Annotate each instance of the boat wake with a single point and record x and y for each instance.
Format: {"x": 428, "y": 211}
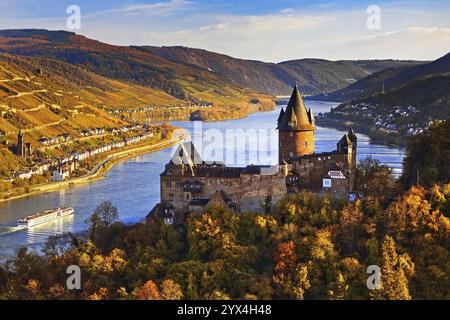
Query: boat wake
{"x": 9, "y": 229}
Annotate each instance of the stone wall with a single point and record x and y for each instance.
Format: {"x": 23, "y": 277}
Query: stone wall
{"x": 247, "y": 191}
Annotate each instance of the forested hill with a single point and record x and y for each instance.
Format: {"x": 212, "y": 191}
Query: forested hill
{"x": 313, "y": 75}
{"x": 412, "y": 100}
{"x": 388, "y": 79}
{"x": 163, "y": 67}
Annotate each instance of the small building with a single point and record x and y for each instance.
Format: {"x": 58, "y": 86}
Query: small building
{"x": 60, "y": 174}
{"x": 218, "y": 198}
{"x": 164, "y": 211}
{"x": 335, "y": 183}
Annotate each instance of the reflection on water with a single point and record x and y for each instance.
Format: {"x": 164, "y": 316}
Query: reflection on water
{"x": 40, "y": 233}
{"x": 133, "y": 185}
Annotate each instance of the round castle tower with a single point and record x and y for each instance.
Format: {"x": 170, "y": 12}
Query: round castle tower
{"x": 296, "y": 128}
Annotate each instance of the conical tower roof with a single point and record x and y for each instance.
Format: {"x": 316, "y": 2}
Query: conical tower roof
{"x": 280, "y": 117}
{"x": 296, "y": 110}
{"x": 345, "y": 141}
{"x": 351, "y": 134}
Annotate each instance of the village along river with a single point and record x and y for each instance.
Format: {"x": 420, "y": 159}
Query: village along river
{"x": 133, "y": 185}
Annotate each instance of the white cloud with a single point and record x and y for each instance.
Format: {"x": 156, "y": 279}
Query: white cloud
{"x": 287, "y": 10}
{"x": 156, "y": 8}
{"x": 332, "y": 35}
{"x": 162, "y": 8}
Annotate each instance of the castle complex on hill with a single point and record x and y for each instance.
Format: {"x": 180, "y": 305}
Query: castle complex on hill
{"x": 189, "y": 184}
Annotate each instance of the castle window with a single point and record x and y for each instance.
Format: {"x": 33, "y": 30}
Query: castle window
{"x": 180, "y": 197}
{"x": 187, "y": 196}
{"x": 171, "y": 196}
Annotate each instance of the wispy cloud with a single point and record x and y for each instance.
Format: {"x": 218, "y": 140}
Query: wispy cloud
{"x": 164, "y": 7}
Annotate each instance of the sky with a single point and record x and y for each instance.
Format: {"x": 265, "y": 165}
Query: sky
{"x": 271, "y": 31}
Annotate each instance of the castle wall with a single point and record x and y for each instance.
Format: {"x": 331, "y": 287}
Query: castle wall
{"x": 247, "y": 191}
{"x": 313, "y": 168}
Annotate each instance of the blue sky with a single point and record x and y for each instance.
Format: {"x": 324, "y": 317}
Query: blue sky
{"x": 262, "y": 30}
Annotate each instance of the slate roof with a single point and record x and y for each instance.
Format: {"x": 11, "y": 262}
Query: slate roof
{"x": 296, "y": 117}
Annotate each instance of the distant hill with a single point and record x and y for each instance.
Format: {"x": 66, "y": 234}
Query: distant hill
{"x": 48, "y": 97}
{"x": 182, "y": 82}
{"x": 313, "y": 75}
{"x": 389, "y": 79}
{"x": 118, "y": 62}
{"x": 399, "y": 113}
{"x": 182, "y": 71}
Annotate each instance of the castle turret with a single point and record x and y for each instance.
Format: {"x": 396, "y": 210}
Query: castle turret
{"x": 296, "y": 129}
{"x": 353, "y": 138}
{"x": 280, "y": 117}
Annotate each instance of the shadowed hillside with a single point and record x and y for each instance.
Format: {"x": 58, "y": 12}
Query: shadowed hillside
{"x": 313, "y": 75}
{"x": 395, "y": 115}
{"x": 389, "y": 79}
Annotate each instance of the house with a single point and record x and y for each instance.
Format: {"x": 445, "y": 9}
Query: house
{"x": 335, "y": 183}
{"x": 60, "y": 174}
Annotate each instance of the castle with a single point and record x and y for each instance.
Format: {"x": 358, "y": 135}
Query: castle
{"x": 189, "y": 184}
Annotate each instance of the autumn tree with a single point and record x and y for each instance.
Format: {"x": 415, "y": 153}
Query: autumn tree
{"x": 427, "y": 157}
{"x": 285, "y": 258}
{"x": 394, "y": 283}
{"x": 103, "y": 223}
{"x": 301, "y": 282}
{"x": 148, "y": 291}
{"x": 338, "y": 289}
{"x": 170, "y": 290}
{"x": 376, "y": 180}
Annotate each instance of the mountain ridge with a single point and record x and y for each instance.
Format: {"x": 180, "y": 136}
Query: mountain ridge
{"x": 278, "y": 78}
{"x": 388, "y": 79}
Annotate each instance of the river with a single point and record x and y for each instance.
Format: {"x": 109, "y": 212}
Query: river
{"x": 133, "y": 185}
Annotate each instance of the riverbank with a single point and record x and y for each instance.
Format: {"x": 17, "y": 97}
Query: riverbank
{"x": 206, "y": 114}
{"x": 377, "y": 135}
{"x": 101, "y": 168}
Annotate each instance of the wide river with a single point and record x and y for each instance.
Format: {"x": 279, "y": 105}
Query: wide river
{"x": 133, "y": 185}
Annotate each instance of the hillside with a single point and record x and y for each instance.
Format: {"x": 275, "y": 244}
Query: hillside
{"x": 47, "y": 98}
{"x": 37, "y": 92}
{"x": 181, "y": 81}
{"x": 313, "y": 75}
{"x": 390, "y": 79}
{"x": 397, "y": 114}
